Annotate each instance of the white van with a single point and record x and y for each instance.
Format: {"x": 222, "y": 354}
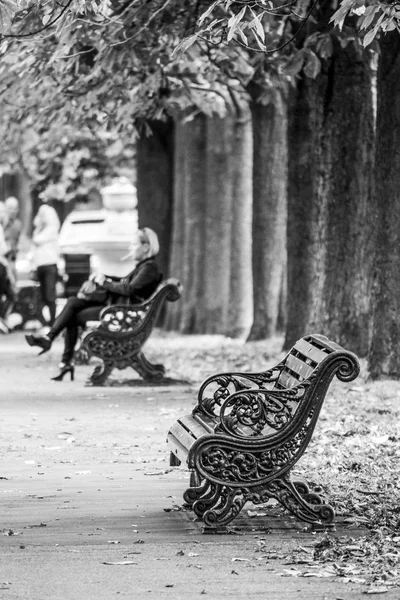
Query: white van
{"x": 96, "y": 241}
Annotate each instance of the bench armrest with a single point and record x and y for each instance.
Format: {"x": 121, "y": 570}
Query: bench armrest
{"x": 128, "y": 318}
{"x": 217, "y": 388}
{"x": 260, "y": 413}
{"x": 263, "y": 413}
{"x": 121, "y": 318}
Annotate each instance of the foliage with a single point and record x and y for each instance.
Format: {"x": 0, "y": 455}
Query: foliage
{"x": 374, "y": 18}
{"x": 77, "y": 162}
{"x": 108, "y": 70}
{"x": 111, "y": 67}
{"x": 105, "y": 70}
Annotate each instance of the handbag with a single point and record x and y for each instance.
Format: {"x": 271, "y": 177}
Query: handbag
{"x": 92, "y": 292}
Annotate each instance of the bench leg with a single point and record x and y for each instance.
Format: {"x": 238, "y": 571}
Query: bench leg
{"x": 174, "y": 460}
{"x": 146, "y": 369}
{"x": 216, "y": 504}
{"x": 201, "y": 497}
{"x": 101, "y": 373}
{"x": 297, "y": 498}
{"x": 227, "y": 506}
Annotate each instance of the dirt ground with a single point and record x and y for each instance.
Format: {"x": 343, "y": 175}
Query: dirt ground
{"x": 91, "y": 509}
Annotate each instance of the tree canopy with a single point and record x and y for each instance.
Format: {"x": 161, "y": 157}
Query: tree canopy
{"x": 116, "y": 65}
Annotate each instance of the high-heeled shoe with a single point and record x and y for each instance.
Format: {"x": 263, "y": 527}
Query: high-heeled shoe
{"x": 64, "y": 369}
{"x": 39, "y": 340}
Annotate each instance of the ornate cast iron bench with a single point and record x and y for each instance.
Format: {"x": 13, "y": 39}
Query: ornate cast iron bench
{"x": 122, "y": 331}
{"x": 247, "y": 431}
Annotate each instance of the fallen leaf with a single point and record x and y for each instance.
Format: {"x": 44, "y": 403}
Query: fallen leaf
{"x": 120, "y": 562}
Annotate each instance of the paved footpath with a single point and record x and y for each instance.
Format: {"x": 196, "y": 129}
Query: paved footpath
{"x": 90, "y": 508}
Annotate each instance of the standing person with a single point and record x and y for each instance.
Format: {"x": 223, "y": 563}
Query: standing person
{"x": 7, "y": 281}
{"x": 13, "y": 230}
{"x": 136, "y": 287}
{"x": 45, "y": 255}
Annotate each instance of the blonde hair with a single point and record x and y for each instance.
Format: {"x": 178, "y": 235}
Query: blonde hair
{"x": 151, "y": 237}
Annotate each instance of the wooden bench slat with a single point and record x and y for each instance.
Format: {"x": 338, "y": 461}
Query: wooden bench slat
{"x": 286, "y": 380}
{"x": 185, "y": 438}
{"x": 299, "y": 366}
{"x": 310, "y": 351}
{"x": 177, "y": 448}
{"x": 198, "y": 424}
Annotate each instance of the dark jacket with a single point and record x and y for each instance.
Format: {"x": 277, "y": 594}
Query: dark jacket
{"x": 137, "y": 286}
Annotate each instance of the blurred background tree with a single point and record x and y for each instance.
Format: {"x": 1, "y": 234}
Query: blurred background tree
{"x": 265, "y": 121}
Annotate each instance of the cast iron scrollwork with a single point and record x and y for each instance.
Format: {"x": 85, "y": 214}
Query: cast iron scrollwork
{"x": 247, "y": 414}
{"x": 299, "y": 500}
{"x": 122, "y": 319}
{"x": 244, "y": 465}
{"x": 217, "y": 388}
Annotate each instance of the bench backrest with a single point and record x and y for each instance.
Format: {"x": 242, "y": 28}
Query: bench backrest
{"x": 302, "y": 360}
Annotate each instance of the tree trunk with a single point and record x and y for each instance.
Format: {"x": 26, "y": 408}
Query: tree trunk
{"x": 304, "y": 155}
{"x": 211, "y": 249}
{"x": 213, "y": 310}
{"x": 269, "y": 213}
{"x": 240, "y": 313}
{"x": 154, "y": 185}
{"x": 384, "y": 357}
{"x": 341, "y": 308}
{"x": 176, "y": 264}
{"x": 330, "y": 215}
{"x": 187, "y": 259}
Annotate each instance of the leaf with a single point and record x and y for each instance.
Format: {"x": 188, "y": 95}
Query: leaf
{"x": 369, "y": 16}
{"x": 22, "y": 14}
{"x": 209, "y": 10}
{"x": 390, "y": 25}
{"x": 369, "y": 37}
{"x": 257, "y": 26}
{"x": 339, "y": 16}
{"x": 185, "y": 44}
{"x": 236, "y": 559}
{"x": 120, "y": 562}
{"x": 325, "y": 47}
{"x": 313, "y": 65}
{"x": 7, "y": 12}
{"x": 242, "y": 35}
{"x": 233, "y": 23}
{"x": 295, "y": 65}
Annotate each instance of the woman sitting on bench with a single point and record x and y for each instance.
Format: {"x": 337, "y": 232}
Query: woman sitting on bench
{"x": 135, "y": 287}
